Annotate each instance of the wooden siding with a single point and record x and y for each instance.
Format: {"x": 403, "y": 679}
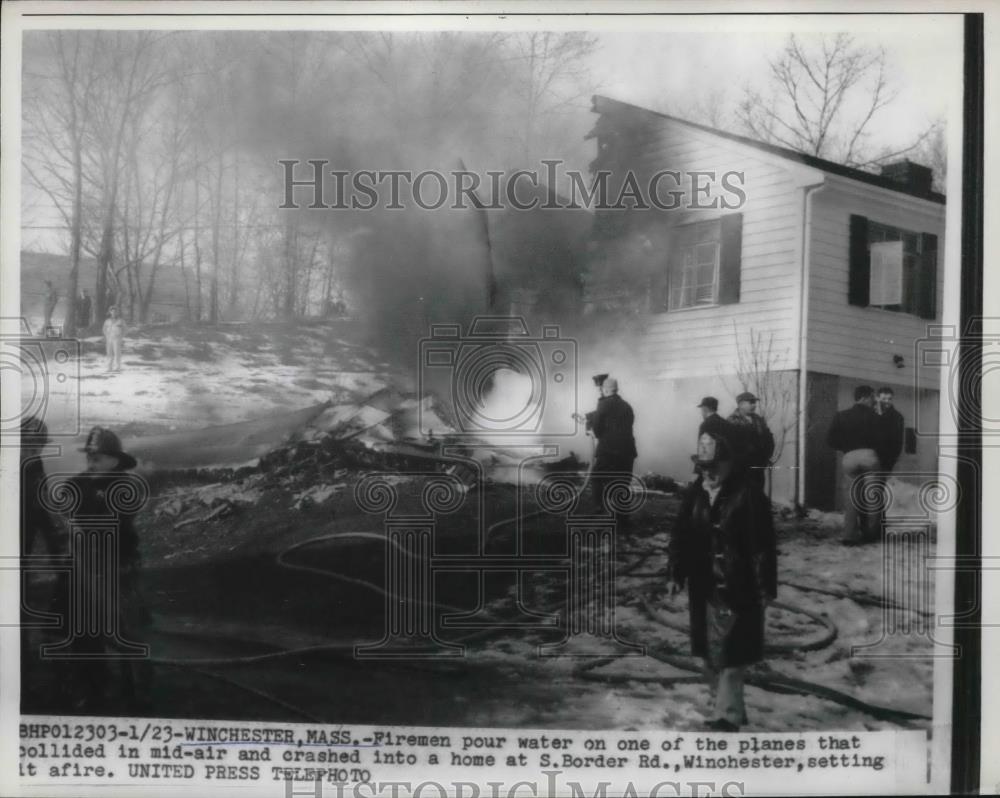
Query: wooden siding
{"x": 854, "y": 342}
{"x": 701, "y": 341}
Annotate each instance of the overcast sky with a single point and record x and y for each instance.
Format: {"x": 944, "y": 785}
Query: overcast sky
{"x": 663, "y": 70}
{"x": 677, "y": 60}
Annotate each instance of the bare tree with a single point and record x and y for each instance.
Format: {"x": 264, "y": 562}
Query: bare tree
{"x": 932, "y": 151}
{"x": 551, "y": 74}
{"x": 713, "y": 107}
{"x": 133, "y": 71}
{"x": 823, "y": 98}
{"x": 762, "y": 369}
{"x": 169, "y": 225}
{"x": 57, "y": 108}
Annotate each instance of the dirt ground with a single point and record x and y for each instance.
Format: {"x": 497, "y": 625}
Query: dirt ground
{"x": 217, "y": 591}
{"x": 242, "y": 631}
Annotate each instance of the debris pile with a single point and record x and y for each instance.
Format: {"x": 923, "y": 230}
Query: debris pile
{"x": 310, "y": 465}
{"x": 203, "y": 503}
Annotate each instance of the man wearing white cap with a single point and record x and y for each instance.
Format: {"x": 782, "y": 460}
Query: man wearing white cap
{"x": 114, "y": 337}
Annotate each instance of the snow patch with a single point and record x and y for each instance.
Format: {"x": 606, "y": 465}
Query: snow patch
{"x": 317, "y": 494}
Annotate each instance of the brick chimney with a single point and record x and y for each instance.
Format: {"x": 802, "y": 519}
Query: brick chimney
{"x": 909, "y": 175}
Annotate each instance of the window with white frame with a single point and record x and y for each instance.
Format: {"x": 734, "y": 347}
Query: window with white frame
{"x": 694, "y": 276}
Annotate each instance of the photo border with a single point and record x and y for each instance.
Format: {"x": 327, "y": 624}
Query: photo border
{"x": 968, "y": 766}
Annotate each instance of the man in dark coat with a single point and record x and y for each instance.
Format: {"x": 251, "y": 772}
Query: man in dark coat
{"x": 711, "y": 421}
{"x": 36, "y": 526}
{"x": 753, "y": 436}
{"x": 723, "y": 548}
{"x": 892, "y": 426}
{"x": 101, "y": 497}
{"x": 83, "y": 322}
{"x": 856, "y": 433}
{"x": 611, "y": 424}
{"x": 890, "y": 444}
{"x": 36, "y": 523}
{"x": 588, "y": 419}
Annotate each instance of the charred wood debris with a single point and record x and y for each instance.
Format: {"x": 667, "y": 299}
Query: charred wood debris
{"x": 380, "y": 434}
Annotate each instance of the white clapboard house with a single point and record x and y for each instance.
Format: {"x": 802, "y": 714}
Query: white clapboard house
{"x": 837, "y": 268}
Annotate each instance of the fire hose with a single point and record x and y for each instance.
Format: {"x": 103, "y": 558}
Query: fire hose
{"x": 769, "y": 680}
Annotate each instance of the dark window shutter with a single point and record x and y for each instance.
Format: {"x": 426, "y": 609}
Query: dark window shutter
{"x": 730, "y": 255}
{"x": 859, "y": 268}
{"x": 926, "y": 277}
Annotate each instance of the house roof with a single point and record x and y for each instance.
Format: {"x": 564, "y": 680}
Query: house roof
{"x": 604, "y": 105}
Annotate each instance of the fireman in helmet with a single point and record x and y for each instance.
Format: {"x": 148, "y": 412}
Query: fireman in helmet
{"x": 107, "y": 464}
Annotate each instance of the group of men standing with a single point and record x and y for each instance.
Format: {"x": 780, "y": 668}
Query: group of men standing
{"x": 870, "y": 434}
{"x": 722, "y": 547}
{"x": 746, "y": 431}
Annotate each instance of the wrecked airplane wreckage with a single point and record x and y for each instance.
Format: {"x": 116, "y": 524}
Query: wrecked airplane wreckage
{"x": 320, "y": 450}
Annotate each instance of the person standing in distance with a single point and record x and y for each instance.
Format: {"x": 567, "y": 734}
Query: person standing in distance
{"x": 612, "y": 425}
{"x": 114, "y": 338}
{"x": 855, "y": 432}
{"x": 711, "y": 421}
{"x": 755, "y": 435}
{"x": 890, "y": 445}
{"x": 83, "y": 322}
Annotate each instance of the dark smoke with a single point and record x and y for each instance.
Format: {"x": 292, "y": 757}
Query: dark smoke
{"x": 421, "y": 102}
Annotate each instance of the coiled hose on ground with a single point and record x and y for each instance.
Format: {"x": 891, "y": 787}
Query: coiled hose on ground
{"x": 767, "y": 680}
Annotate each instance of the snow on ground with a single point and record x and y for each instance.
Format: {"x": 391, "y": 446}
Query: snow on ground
{"x": 882, "y": 656}
{"x": 184, "y": 378}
